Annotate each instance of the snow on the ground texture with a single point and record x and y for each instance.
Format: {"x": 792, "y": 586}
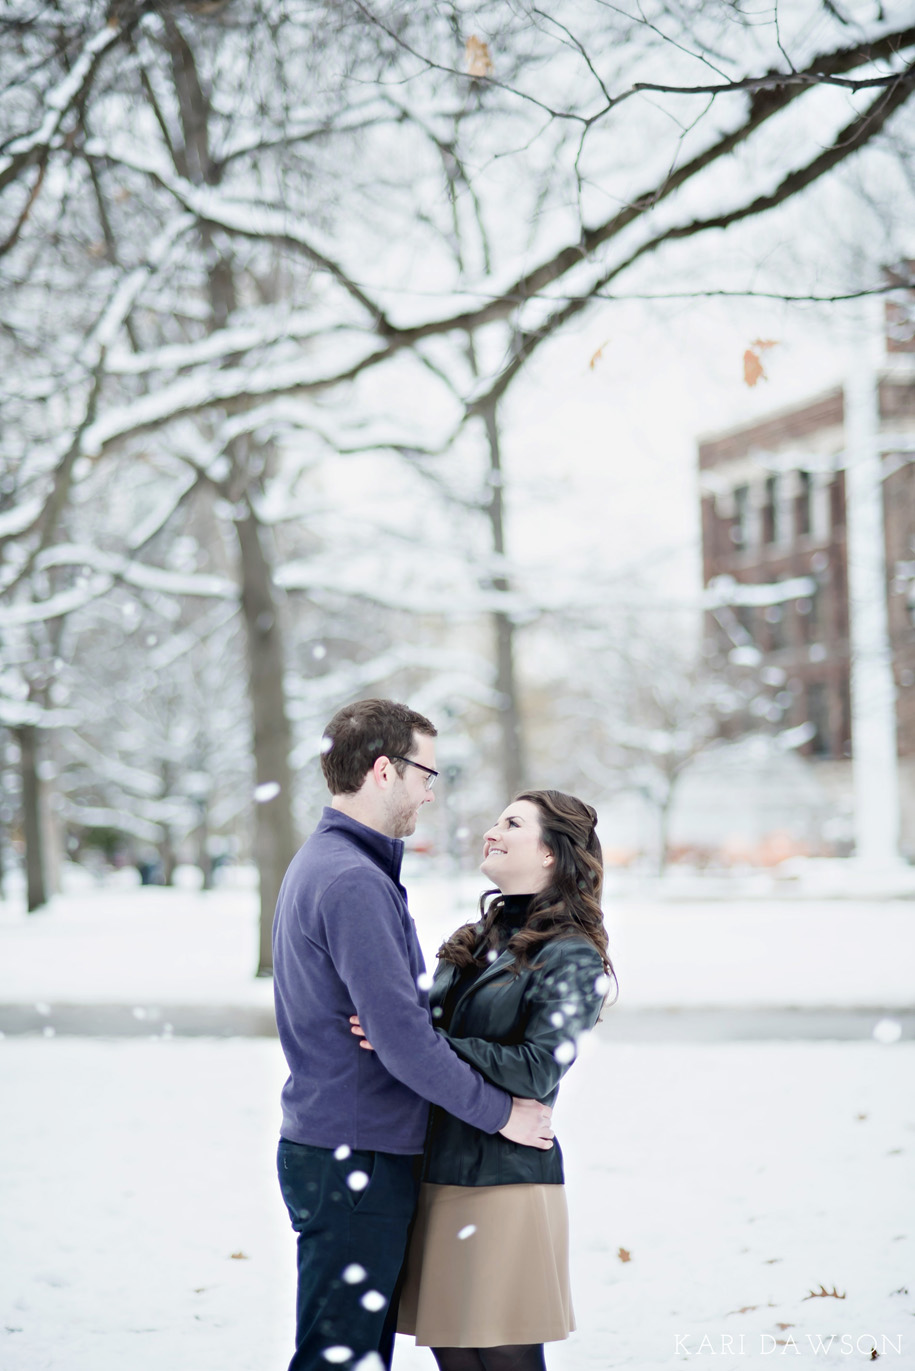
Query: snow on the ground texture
{"x": 738, "y": 1177}
{"x": 134, "y": 944}
{"x": 125, "y": 944}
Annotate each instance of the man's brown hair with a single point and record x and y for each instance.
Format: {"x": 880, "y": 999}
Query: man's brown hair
{"x": 360, "y": 733}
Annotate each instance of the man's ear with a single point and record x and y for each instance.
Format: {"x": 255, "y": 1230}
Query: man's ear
{"x": 378, "y": 771}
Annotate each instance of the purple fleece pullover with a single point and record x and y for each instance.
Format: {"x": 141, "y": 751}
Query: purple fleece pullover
{"x": 344, "y": 943}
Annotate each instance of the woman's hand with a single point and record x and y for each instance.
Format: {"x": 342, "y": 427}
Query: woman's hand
{"x": 360, "y": 1032}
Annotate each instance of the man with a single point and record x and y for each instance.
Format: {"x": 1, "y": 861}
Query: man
{"x": 354, "y": 1122}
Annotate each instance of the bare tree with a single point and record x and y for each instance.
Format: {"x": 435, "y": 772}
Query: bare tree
{"x": 643, "y": 700}
{"x": 173, "y": 177}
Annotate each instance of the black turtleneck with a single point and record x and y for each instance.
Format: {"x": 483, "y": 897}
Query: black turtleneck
{"x": 512, "y": 916}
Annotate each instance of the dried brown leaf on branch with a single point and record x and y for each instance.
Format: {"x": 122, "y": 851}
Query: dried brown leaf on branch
{"x": 824, "y": 1294}
{"x": 238, "y": 1256}
{"x": 596, "y": 357}
{"x": 623, "y": 1255}
{"x": 753, "y": 370}
{"x": 477, "y": 57}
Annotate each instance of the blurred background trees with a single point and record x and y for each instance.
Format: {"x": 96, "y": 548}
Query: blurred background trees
{"x": 271, "y": 274}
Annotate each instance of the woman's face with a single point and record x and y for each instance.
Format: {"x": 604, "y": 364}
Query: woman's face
{"x": 514, "y": 857}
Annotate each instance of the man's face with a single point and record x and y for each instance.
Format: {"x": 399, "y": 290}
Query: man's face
{"x": 408, "y": 794}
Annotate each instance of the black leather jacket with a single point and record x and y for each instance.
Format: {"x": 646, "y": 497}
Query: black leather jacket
{"x": 520, "y": 1033}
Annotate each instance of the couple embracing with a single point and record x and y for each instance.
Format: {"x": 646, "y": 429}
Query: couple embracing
{"x": 450, "y": 1226}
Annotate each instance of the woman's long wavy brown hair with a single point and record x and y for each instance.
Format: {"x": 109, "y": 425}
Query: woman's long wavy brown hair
{"x": 568, "y": 907}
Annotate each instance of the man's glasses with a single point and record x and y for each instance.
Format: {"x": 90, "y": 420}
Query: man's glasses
{"x": 430, "y": 774}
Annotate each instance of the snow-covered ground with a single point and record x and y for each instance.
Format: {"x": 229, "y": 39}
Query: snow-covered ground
{"x": 143, "y": 1228}
{"x": 739, "y": 1177}
{"x": 126, "y": 944}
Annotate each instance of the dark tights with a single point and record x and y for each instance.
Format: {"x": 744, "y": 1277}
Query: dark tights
{"x": 526, "y": 1356}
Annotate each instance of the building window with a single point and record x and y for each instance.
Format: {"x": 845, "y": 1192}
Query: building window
{"x": 821, "y": 521}
{"x": 837, "y": 501}
{"x": 775, "y": 618}
{"x": 768, "y": 512}
{"x": 745, "y": 618}
{"x": 802, "y": 512}
{"x": 845, "y": 718}
{"x": 809, "y": 609}
{"x": 739, "y": 528}
{"x": 818, "y": 715}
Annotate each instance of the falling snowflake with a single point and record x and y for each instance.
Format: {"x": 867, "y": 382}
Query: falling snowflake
{"x": 354, "y": 1273}
{"x": 887, "y": 1031}
{"x": 467, "y": 1231}
{"x": 357, "y": 1180}
{"x": 342, "y": 1153}
{"x": 265, "y": 792}
{"x": 565, "y": 1053}
{"x": 424, "y": 980}
{"x": 373, "y": 1301}
{"x": 337, "y": 1355}
{"x": 557, "y": 1019}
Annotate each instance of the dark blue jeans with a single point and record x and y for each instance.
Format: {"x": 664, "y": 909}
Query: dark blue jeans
{"x": 352, "y": 1215}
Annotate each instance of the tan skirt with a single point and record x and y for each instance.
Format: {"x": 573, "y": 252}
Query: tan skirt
{"x": 488, "y": 1266}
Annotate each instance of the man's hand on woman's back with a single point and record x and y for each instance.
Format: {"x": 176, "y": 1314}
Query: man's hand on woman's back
{"x": 529, "y": 1123}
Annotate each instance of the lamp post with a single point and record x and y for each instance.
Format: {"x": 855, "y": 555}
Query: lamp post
{"x": 873, "y": 688}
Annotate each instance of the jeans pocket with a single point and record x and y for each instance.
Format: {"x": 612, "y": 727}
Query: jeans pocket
{"x": 356, "y": 1172}
{"x": 299, "y": 1182}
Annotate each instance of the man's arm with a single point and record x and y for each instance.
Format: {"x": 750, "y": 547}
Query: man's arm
{"x": 530, "y": 1122}
{"x": 366, "y": 939}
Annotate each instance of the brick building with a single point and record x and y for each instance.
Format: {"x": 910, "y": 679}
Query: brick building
{"x": 773, "y": 510}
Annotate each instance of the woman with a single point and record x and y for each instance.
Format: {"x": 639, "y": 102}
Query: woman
{"x": 487, "y": 1272}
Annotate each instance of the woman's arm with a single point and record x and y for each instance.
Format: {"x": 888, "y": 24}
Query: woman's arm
{"x": 564, "y": 1001}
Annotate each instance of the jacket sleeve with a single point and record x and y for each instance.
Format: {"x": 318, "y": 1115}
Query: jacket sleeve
{"x": 563, "y": 1002}
{"x": 367, "y": 939}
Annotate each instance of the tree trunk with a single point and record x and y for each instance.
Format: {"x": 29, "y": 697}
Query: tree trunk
{"x": 32, "y": 827}
{"x": 513, "y": 767}
{"x": 512, "y": 742}
{"x": 52, "y": 841}
{"x": 204, "y": 859}
{"x": 664, "y": 827}
{"x": 167, "y": 857}
{"x": 275, "y": 841}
